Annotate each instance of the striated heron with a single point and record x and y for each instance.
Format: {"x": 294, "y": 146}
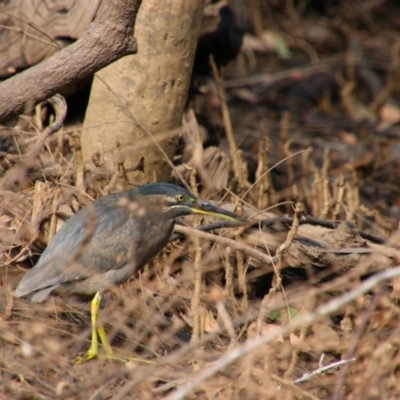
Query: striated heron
{"x": 108, "y": 241}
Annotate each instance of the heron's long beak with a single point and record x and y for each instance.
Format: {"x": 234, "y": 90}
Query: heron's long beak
{"x": 205, "y": 208}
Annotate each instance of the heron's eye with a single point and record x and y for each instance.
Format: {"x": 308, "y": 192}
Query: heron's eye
{"x": 180, "y": 198}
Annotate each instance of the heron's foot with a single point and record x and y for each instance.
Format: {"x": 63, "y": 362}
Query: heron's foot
{"x": 83, "y": 357}
{"x": 125, "y": 359}
{"x": 90, "y": 355}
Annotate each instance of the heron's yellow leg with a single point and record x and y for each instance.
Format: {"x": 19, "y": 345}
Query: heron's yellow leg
{"x": 98, "y": 332}
{"x": 104, "y": 341}
{"x": 93, "y": 351}
{"x": 109, "y": 352}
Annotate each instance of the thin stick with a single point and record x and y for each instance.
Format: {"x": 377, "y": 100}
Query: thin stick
{"x": 306, "y": 377}
{"x": 195, "y": 304}
{"x": 225, "y": 242}
{"x": 226, "y": 118}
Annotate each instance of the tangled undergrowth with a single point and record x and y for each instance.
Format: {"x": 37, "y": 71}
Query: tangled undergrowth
{"x": 302, "y": 302}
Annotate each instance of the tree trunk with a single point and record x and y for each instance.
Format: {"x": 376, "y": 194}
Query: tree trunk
{"x": 145, "y": 95}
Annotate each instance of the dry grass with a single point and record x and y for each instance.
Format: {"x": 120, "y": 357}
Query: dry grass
{"x": 214, "y": 321}
{"x": 302, "y": 305}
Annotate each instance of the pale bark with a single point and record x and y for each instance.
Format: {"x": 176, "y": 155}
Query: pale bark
{"x": 150, "y": 88}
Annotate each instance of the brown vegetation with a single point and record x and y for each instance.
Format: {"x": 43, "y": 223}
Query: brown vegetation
{"x": 302, "y": 139}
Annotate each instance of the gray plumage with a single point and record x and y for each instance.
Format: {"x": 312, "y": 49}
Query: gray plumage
{"x": 108, "y": 241}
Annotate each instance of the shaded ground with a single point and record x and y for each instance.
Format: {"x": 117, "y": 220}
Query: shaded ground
{"x": 314, "y": 104}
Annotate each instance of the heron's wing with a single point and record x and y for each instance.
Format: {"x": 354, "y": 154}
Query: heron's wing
{"x": 91, "y": 242}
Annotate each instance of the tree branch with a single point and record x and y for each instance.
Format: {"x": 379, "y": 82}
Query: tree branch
{"x": 107, "y": 39}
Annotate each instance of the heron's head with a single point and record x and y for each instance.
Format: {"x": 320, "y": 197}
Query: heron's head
{"x": 173, "y": 201}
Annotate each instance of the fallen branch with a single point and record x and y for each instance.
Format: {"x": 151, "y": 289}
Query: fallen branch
{"x": 107, "y": 39}
{"x": 236, "y": 246}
